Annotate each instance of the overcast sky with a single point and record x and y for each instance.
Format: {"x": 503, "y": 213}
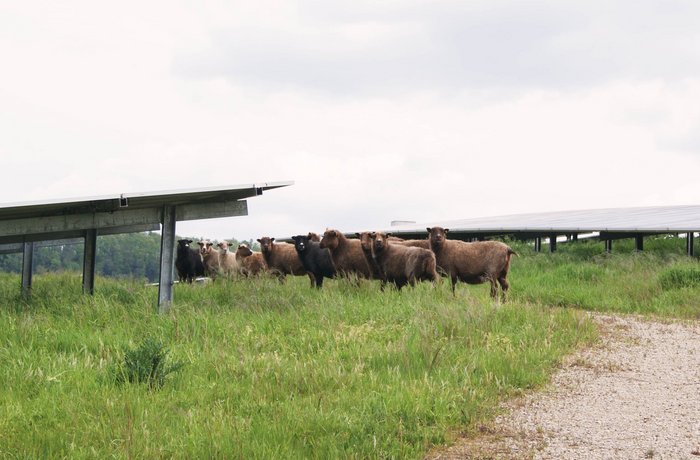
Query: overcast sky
{"x": 377, "y": 110}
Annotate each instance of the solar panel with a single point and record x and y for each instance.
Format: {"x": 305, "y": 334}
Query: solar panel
{"x": 655, "y": 219}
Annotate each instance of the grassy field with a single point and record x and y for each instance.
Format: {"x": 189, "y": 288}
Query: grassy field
{"x": 284, "y": 371}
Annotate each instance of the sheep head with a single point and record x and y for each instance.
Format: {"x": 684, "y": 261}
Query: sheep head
{"x": 379, "y": 241}
{"x": 301, "y": 242}
{"x": 331, "y": 239}
{"x": 266, "y": 244}
{"x": 243, "y": 251}
{"x": 184, "y": 243}
{"x": 437, "y": 236}
{"x": 365, "y": 240}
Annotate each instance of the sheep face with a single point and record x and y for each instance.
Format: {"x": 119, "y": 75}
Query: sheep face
{"x": 206, "y": 247}
{"x": 301, "y": 242}
{"x": 243, "y": 251}
{"x": 365, "y": 240}
{"x": 184, "y": 243}
{"x": 266, "y": 244}
{"x": 437, "y": 236}
{"x": 223, "y": 246}
{"x": 379, "y": 241}
{"x": 331, "y": 239}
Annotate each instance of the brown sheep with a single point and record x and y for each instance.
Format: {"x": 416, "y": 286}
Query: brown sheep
{"x": 252, "y": 263}
{"x": 366, "y": 245}
{"x": 282, "y": 259}
{"x": 227, "y": 260}
{"x": 347, "y": 254}
{"x": 401, "y": 264}
{"x": 472, "y": 263}
{"x": 210, "y": 258}
{"x": 425, "y": 244}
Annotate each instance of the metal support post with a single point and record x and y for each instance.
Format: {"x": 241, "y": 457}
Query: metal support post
{"x": 27, "y": 267}
{"x": 167, "y": 260}
{"x": 689, "y": 244}
{"x": 89, "y": 258}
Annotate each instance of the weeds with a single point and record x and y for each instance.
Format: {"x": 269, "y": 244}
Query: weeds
{"x": 680, "y": 277}
{"x": 147, "y": 363}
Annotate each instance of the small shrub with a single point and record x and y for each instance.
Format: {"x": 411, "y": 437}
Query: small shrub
{"x": 679, "y": 277}
{"x": 147, "y": 363}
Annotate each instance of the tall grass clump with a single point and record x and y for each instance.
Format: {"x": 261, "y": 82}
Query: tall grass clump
{"x": 680, "y": 277}
{"x": 147, "y": 363}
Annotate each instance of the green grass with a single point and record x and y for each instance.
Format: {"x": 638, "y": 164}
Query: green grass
{"x": 660, "y": 280}
{"x": 284, "y": 371}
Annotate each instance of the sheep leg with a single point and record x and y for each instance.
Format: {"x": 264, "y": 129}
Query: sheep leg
{"x": 454, "y": 284}
{"x": 312, "y": 279}
{"x": 494, "y": 287}
{"x": 319, "y": 281}
{"x": 504, "y": 286}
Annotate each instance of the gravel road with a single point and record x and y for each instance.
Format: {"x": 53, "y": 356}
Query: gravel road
{"x": 635, "y": 395}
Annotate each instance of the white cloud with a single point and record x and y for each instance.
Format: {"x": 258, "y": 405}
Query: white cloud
{"x": 398, "y": 47}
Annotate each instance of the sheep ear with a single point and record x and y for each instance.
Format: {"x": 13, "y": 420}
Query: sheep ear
{"x": 447, "y": 230}
{"x": 272, "y": 239}
{"x": 389, "y": 234}
{"x": 429, "y": 229}
{"x": 259, "y": 240}
{"x": 357, "y": 234}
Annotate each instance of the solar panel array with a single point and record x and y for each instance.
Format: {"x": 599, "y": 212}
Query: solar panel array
{"x": 642, "y": 220}
{"x": 85, "y": 218}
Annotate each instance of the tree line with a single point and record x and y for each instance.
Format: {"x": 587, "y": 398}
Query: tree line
{"x": 132, "y": 255}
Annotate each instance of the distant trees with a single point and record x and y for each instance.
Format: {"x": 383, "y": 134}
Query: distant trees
{"x": 133, "y": 255}
{"x": 130, "y": 254}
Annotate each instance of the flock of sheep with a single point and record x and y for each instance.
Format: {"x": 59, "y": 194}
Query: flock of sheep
{"x": 371, "y": 255}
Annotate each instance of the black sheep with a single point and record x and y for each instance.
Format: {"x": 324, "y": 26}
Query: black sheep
{"x": 188, "y": 262}
{"x": 316, "y": 260}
